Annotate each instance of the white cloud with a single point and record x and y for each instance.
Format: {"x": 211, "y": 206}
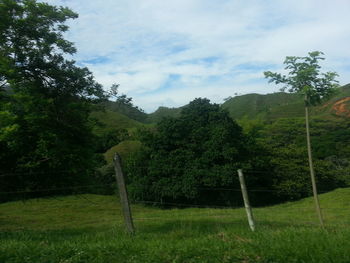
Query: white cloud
{"x": 216, "y": 48}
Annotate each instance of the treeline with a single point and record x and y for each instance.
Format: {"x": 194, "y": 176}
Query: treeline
{"x": 285, "y": 142}
{"x": 187, "y": 159}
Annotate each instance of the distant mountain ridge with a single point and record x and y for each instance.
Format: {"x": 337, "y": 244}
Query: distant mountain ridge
{"x": 162, "y": 112}
{"x": 274, "y": 105}
{"x": 271, "y": 106}
{"x": 268, "y": 107}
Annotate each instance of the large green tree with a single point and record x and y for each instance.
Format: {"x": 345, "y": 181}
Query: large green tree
{"x": 45, "y": 136}
{"x": 304, "y": 77}
{"x": 186, "y": 157}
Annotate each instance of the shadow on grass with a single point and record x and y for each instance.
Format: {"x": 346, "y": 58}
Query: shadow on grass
{"x": 184, "y": 228}
{"x": 52, "y": 235}
{"x": 211, "y": 226}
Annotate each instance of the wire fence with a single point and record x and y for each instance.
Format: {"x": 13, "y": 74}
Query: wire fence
{"x": 33, "y": 173}
{"x": 291, "y": 213}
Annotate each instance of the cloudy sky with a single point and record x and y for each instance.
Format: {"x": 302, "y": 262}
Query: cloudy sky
{"x": 168, "y": 52}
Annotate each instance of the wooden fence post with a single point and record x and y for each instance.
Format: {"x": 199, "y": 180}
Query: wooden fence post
{"x": 248, "y": 208}
{"x": 123, "y": 194}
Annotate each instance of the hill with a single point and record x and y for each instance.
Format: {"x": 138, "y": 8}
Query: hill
{"x": 267, "y": 107}
{"x": 286, "y": 105}
{"x": 127, "y": 108}
{"x": 89, "y": 228}
{"x": 270, "y": 106}
{"x": 108, "y": 119}
{"x": 256, "y": 105}
{"x": 338, "y": 106}
{"x": 124, "y": 149}
{"x": 162, "y": 112}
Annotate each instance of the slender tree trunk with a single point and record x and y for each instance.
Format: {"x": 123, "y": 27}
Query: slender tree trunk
{"x": 312, "y": 173}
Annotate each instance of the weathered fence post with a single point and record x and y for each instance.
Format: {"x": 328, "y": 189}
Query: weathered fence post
{"x": 248, "y": 208}
{"x": 123, "y": 194}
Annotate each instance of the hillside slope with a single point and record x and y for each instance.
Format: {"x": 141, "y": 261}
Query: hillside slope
{"x": 278, "y": 104}
{"x": 162, "y": 112}
{"x": 286, "y": 105}
{"x": 124, "y": 149}
{"x": 271, "y": 107}
{"x": 113, "y": 120}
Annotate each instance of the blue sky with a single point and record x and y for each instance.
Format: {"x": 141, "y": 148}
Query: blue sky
{"x": 166, "y": 52}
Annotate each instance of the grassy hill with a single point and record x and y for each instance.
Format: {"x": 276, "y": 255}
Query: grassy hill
{"x": 89, "y": 228}
{"x": 124, "y": 149}
{"x": 270, "y": 106}
{"x": 286, "y": 105}
{"x": 111, "y": 119}
{"x": 127, "y": 109}
{"x": 253, "y": 105}
{"x": 162, "y": 112}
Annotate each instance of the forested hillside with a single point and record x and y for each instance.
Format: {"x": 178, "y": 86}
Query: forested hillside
{"x": 274, "y": 126}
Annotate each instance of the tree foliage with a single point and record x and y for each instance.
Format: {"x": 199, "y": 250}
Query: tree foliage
{"x": 284, "y": 141}
{"x": 304, "y": 77}
{"x": 201, "y": 149}
{"x": 45, "y": 98}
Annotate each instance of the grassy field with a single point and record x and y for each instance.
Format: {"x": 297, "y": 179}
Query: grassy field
{"x": 89, "y": 228}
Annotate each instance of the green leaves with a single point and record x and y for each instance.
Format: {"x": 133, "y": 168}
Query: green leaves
{"x": 201, "y": 148}
{"x": 45, "y": 98}
{"x": 304, "y": 77}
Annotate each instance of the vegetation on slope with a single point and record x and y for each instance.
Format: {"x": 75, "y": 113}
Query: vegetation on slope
{"x": 255, "y": 105}
{"x": 271, "y": 107}
{"x": 124, "y": 105}
{"x": 107, "y": 119}
{"x": 124, "y": 149}
{"x": 163, "y": 112}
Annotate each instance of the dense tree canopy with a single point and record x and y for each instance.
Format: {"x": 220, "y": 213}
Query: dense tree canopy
{"x": 184, "y": 156}
{"x": 45, "y": 98}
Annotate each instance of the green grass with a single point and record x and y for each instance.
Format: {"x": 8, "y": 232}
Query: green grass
{"x": 111, "y": 119}
{"x": 271, "y": 107}
{"x": 89, "y": 228}
{"x": 125, "y": 148}
{"x": 162, "y": 112}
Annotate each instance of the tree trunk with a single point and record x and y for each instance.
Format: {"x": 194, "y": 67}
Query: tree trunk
{"x": 312, "y": 173}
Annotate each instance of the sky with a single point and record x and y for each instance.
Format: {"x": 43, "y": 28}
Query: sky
{"x": 168, "y": 52}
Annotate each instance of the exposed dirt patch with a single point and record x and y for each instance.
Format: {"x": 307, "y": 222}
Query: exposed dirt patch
{"x": 342, "y": 107}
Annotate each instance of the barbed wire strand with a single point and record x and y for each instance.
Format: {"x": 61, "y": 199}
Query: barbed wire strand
{"x": 34, "y": 173}
{"x": 54, "y": 189}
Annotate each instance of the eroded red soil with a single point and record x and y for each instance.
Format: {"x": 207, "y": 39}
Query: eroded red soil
{"x": 341, "y": 107}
